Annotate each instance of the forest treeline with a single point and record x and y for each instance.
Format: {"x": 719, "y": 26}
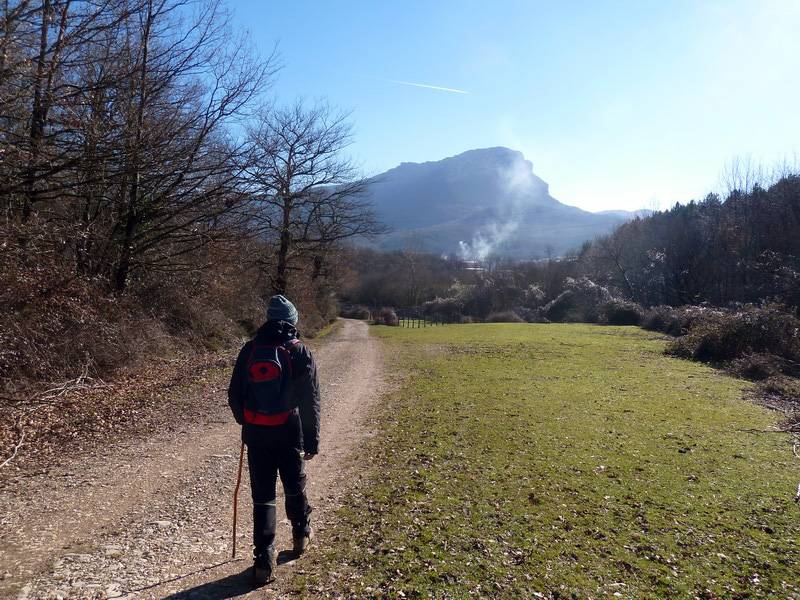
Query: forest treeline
{"x": 744, "y": 248}
{"x": 155, "y": 187}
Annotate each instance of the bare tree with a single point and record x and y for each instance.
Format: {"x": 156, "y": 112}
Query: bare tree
{"x": 613, "y": 250}
{"x": 307, "y": 196}
{"x": 43, "y": 47}
{"x": 116, "y": 120}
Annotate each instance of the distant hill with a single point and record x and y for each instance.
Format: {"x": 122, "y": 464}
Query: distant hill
{"x": 481, "y": 203}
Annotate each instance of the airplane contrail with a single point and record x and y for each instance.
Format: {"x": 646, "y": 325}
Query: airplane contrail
{"x": 429, "y": 87}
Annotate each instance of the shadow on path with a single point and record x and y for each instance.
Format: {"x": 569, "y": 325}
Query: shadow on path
{"x": 285, "y": 557}
{"x": 230, "y": 586}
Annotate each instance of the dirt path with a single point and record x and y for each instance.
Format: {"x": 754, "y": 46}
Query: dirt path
{"x": 152, "y": 519}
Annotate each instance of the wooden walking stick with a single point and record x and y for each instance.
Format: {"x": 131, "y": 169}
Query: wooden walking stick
{"x": 236, "y": 496}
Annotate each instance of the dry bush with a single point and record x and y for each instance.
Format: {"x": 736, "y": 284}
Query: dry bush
{"x": 506, "y": 316}
{"x": 532, "y": 315}
{"x": 678, "y": 321}
{"x": 579, "y": 302}
{"x": 533, "y": 297}
{"x": 52, "y": 323}
{"x": 311, "y": 324}
{"x": 664, "y": 319}
{"x": 725, "y": 336}
{"x": 56, "y": 323}
{"x": 387, "y": 316}
{"x": 757, "y": 343}
{"x": 448, "y": 310}
{"x": 692, "y": 316}
{"x": 313, "y": 293}
{"x": 621, "y": 312}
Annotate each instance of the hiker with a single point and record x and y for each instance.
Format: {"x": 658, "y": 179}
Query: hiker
{"x": 274, "y": 396}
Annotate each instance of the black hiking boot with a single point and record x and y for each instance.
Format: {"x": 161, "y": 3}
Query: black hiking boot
{"x": 302, "y": 541}
{"x": 264, "y": 568}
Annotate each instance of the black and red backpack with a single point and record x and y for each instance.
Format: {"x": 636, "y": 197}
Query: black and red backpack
{"x": 269, "y": 381}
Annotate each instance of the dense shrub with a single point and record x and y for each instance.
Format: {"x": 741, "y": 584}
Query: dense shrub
{"x": 579, "y": 302}
{"x": 506, "y": 316}
{"x": 678, "y": 321}
{"x": 387, "y": 316}
{"x": 78, "y": 327}
{"x": 664, "y": 319}
{"x": 533, "y": 297}
{"x": 562, "y": 308}
{"x": 444, "y": 309}
{"x": 720, "y": 336}
{"x": 621, "y": 312}
{"x": 692, "y": 316}
{"x": 530, "y": 315}
{"x": 56, "y": 323}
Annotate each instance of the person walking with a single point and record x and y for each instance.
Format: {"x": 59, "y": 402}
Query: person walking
{"x": 274, "y": 395}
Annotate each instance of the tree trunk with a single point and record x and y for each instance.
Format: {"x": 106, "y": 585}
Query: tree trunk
{"x": 37, "y": 116}
{"x": 5, "y": 40}
{"x": 280, "y": 282}
{"x": 131, "y": 221}
{"x": 124, "y": 263}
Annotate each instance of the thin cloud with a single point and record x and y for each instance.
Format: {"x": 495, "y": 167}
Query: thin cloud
{"x": 429, "y": 87}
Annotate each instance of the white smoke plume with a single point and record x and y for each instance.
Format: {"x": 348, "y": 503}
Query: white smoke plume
{"x": 486, "y": 241}
{"x": 517, "y": 182}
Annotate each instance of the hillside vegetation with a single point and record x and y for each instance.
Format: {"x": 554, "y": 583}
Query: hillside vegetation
{"x": 563, "y": 461}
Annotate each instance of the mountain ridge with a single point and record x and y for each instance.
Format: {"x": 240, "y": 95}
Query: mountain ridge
{"x": 479, "y": 203}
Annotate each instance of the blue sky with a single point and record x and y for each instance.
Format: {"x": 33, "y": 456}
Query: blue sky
{"x": 634, "y": 104}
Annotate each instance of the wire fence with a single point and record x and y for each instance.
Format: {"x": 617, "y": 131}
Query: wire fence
{"x": 416, "y": 320}
{"x": 417, "y": 323}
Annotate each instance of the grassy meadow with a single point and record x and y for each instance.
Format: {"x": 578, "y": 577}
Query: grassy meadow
{"x": 562, "y": 461}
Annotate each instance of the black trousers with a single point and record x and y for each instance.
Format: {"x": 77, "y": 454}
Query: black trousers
{"x": 277, "y": 452}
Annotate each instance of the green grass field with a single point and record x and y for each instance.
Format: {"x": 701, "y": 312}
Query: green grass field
{"x": 560, "y": 461}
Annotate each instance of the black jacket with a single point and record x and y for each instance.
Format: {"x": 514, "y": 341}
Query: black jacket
{"x": 305, "y": 386}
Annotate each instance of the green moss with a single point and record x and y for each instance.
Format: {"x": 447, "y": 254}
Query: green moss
{"x": 567, "y": 460}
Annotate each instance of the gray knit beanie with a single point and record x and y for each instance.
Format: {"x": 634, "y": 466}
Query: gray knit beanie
{"x": 280, "y": 309}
